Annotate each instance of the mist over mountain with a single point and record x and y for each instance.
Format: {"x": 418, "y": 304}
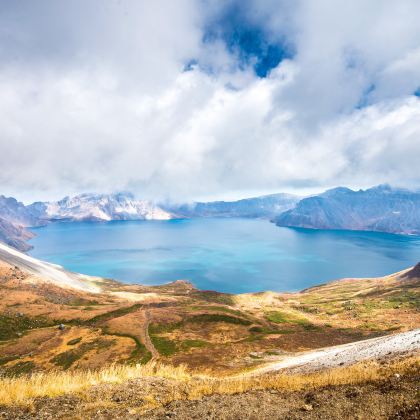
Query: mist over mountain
{"x": 381, "y": 208}
{"x": 266, "y": 206}
{"x": 100, "y": 207}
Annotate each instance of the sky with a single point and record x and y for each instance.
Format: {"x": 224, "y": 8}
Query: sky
{"x": 179, "y": 99}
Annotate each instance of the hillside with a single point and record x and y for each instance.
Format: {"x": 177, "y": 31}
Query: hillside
{"x": 381, "y": 208}
{"x": 52, "y": 320}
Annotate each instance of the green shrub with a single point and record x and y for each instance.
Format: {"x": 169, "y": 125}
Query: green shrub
{"x": 114, "y": 314}
{"x": 164, "y": 346}
{"x": 219, "y": 318}
{"x": 211, "y": 296}
{"x": 20, "y": 368}
{"x": 74, "y": 341}
{"x": 188, "y": 344}
{"x": 279, "y": 317}
{"x": 163, "y": 328}
{"x": 11, "y": 326}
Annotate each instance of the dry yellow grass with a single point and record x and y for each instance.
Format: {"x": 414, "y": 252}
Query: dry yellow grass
{"x": 359, "y": 373}
{"x": 23, "y": 389}
{"x": 186, "y": 385}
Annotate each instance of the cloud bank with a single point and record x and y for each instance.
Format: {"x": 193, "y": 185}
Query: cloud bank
{"x": 193, "y": 98}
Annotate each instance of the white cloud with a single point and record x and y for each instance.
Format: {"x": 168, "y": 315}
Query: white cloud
{"x": 345, "y": 49}
{"x": 94, "y": 98}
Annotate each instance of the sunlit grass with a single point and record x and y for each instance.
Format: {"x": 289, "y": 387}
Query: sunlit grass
{"x": 187, "y": 385}
{"x": 22, "y": 389}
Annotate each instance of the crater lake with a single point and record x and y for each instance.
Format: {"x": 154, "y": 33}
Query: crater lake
{"x": 234, "y": 255}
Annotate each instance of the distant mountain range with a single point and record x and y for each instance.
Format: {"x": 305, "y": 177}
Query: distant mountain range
{"x": 380, "y": 208}
{"x": 15, "y": 216}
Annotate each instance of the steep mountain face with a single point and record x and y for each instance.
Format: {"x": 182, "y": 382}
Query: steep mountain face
{"x": 380, "y": 208}
{"x": 14, "y": 218}
{"x": 99, "y": 207}
{"x": 17, "y": 213}
{"x": 14, "y": 235}
{"x": 265, "y": 207}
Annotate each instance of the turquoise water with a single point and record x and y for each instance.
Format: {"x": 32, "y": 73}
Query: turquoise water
{"x": 228, "y": 255}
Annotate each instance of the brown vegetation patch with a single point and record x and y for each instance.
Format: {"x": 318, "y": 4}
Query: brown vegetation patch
{"x": 49, "y": 349}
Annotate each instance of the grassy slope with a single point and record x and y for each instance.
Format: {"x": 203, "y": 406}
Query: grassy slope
{"x": 205, "y": 330}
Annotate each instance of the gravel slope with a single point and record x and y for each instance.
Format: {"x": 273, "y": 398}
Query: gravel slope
{"x": 51, "y": 272}
{"x": 348, "y": 354}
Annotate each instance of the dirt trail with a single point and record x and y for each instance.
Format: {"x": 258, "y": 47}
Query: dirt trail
{"x": 147, "y": 341}
{"x": 348, "y": 354}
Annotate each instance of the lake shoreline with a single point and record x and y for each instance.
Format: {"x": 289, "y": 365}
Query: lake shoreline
{"x": 213, "y": 253}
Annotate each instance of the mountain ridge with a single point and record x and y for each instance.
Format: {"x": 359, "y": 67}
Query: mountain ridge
{"x": 106, "y": 207}
{"x": 265, "y": 206}
{"x": 381, "y": 208}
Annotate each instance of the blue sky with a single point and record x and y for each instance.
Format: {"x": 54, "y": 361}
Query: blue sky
{"x": 197, "y": 98}
{"x": 246, "y": 40}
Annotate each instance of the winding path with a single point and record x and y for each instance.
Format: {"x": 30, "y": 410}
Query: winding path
{"x": 147, "y": 341}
